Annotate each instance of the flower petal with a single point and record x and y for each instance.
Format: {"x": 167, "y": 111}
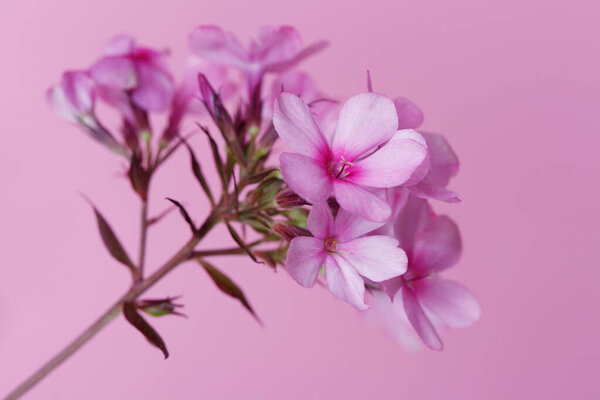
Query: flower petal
{"x": 116, "y": 72}
{"x": 449, "y": 301}
{"x": 212, "y": 44}
{"x": 377, "y": 258}
{"x": 155, "y": 88}
{"x": 344, "y": 282}
{"x": 437, "y": 247}
{"x": 443, "y": 166}
{"x": 359, "y": 200}
{"x": 300, "y": 56}
{"x": 366, "y": 121}
{"x": 297, "y": 128}
{"x": 419, "y": 320}
{"x": 393, "y": 164}
{"x": 412, "y": 218}
{"x": 409, "y": 115}
{"x": 349, "y": 226}
{"x": 305, "y": 257}
{"x": 320, "y": 221}
{"x": 306, "y": 177}
{"x": 119, "y": 45}
{"x": 276, "y": 44}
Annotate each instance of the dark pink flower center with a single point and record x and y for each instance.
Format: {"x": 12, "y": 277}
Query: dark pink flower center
{"x": 339, "y": 169}
{"x": 330, "y": 245}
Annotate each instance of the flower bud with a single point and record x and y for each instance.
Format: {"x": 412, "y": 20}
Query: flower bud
{"x": 265, "y": 192}
{"x": 288, "y": 231}
{"x": 73, "y": 99}
{"x": 288, "y": 199}
{"x": 159, "y": 307}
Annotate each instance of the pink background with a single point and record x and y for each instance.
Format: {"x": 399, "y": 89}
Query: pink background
{"x": 515, "y": 86}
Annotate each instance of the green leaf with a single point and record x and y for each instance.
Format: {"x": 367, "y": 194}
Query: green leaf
{"x": 112, "y": 242}
{"x": 227, "y": 286}
{"x": 135, "y": 319}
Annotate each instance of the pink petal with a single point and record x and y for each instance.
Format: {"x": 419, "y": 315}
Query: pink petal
{"x": 419, "y": 320}
{"x": 360, "y": 201}
{"x": 443, "y": 166}
{"x": 344, "y": 283}
{"x": 276, "y": 44}
{"x": 73, "y": 97}
{"x": 297, "y": 128}
{"x": 155, "y": 88}
{"x": 349, "y": 226}
{"x": 391, "y": 165}
{"x": 116, "y": 72}
{"x": 119, "y": 45}
{"x": 412, "y": 218}
{"x": 305, "y": 257}
{"x": 300, "y": 56}
{"x": 409, "y": 115}
{"x": 391, "y": 287}
{"x": 212, "y": 44}
{"x": 320, "y": 221}
{"x": 366, "y": 121}
{"x": 438, "y": 246}
{"x": 449, "y": 301}
{"x": 377, "y": 258}
{"x": 306, "y": 177}
{"x": 394, "y": 320}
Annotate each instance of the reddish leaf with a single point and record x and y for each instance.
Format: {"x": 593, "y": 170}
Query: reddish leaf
{"x": 185, "y": 215}
{"x": 112, "y": 242}
{"x": 227, "y": 286}
{"x": 135, "y": 319}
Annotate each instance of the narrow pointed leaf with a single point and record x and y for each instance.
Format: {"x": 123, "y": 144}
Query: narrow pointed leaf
{"x": 216, "y": 155}
{"x": 199, "y": 175}
{"x": 159, "y": 217}
{"x": 262, "y": 175}
{"x": 112, "y": 243}
{"x": 139, "y": 177}
{"x": 135, "y": 319}
{"x": 241, "y": 243}
{"x": 185, "y": 215}
{"x": 227, "y": 286}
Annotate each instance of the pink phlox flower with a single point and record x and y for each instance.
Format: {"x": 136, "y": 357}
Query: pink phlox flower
{"x": 443, "y": 162}
{"x": 365, "y": 155}
{"x": 277, "y": 49}
{"x": 432, "y": 244}
{"x": 348, "y": 255}
{"x": 137, "y": 71}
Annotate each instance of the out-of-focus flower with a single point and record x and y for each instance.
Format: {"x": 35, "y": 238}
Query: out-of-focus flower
{"x": 277, "y": 49}
{"x": 443, "y": 162}
{"x": 187, "y": 98}
{"x": 136, "y": 70}
{"x": 73, "y": 99}
{"x": 432, "y": 244}
{"x": 345, "y": 252}
{"x": 367, "y": 153}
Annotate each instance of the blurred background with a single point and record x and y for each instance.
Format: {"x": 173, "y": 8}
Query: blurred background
{"x": 514, "y": 86}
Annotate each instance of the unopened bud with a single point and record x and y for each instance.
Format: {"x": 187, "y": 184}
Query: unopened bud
{"x": 288, "y": 231}
{"x": 288, "y": 199}
{"x": 159, "y": 307}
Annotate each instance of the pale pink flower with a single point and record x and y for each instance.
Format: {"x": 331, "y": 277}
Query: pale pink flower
{"x": 74, "y": 99}
{"x": 365, "y": 155}
{"x": 138, "y": 71}
{"x": 432, "y": 244}
{"x": 277, "y": 49}
{"x": 443, "y": 162}
{"x": 346, "y": 253}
